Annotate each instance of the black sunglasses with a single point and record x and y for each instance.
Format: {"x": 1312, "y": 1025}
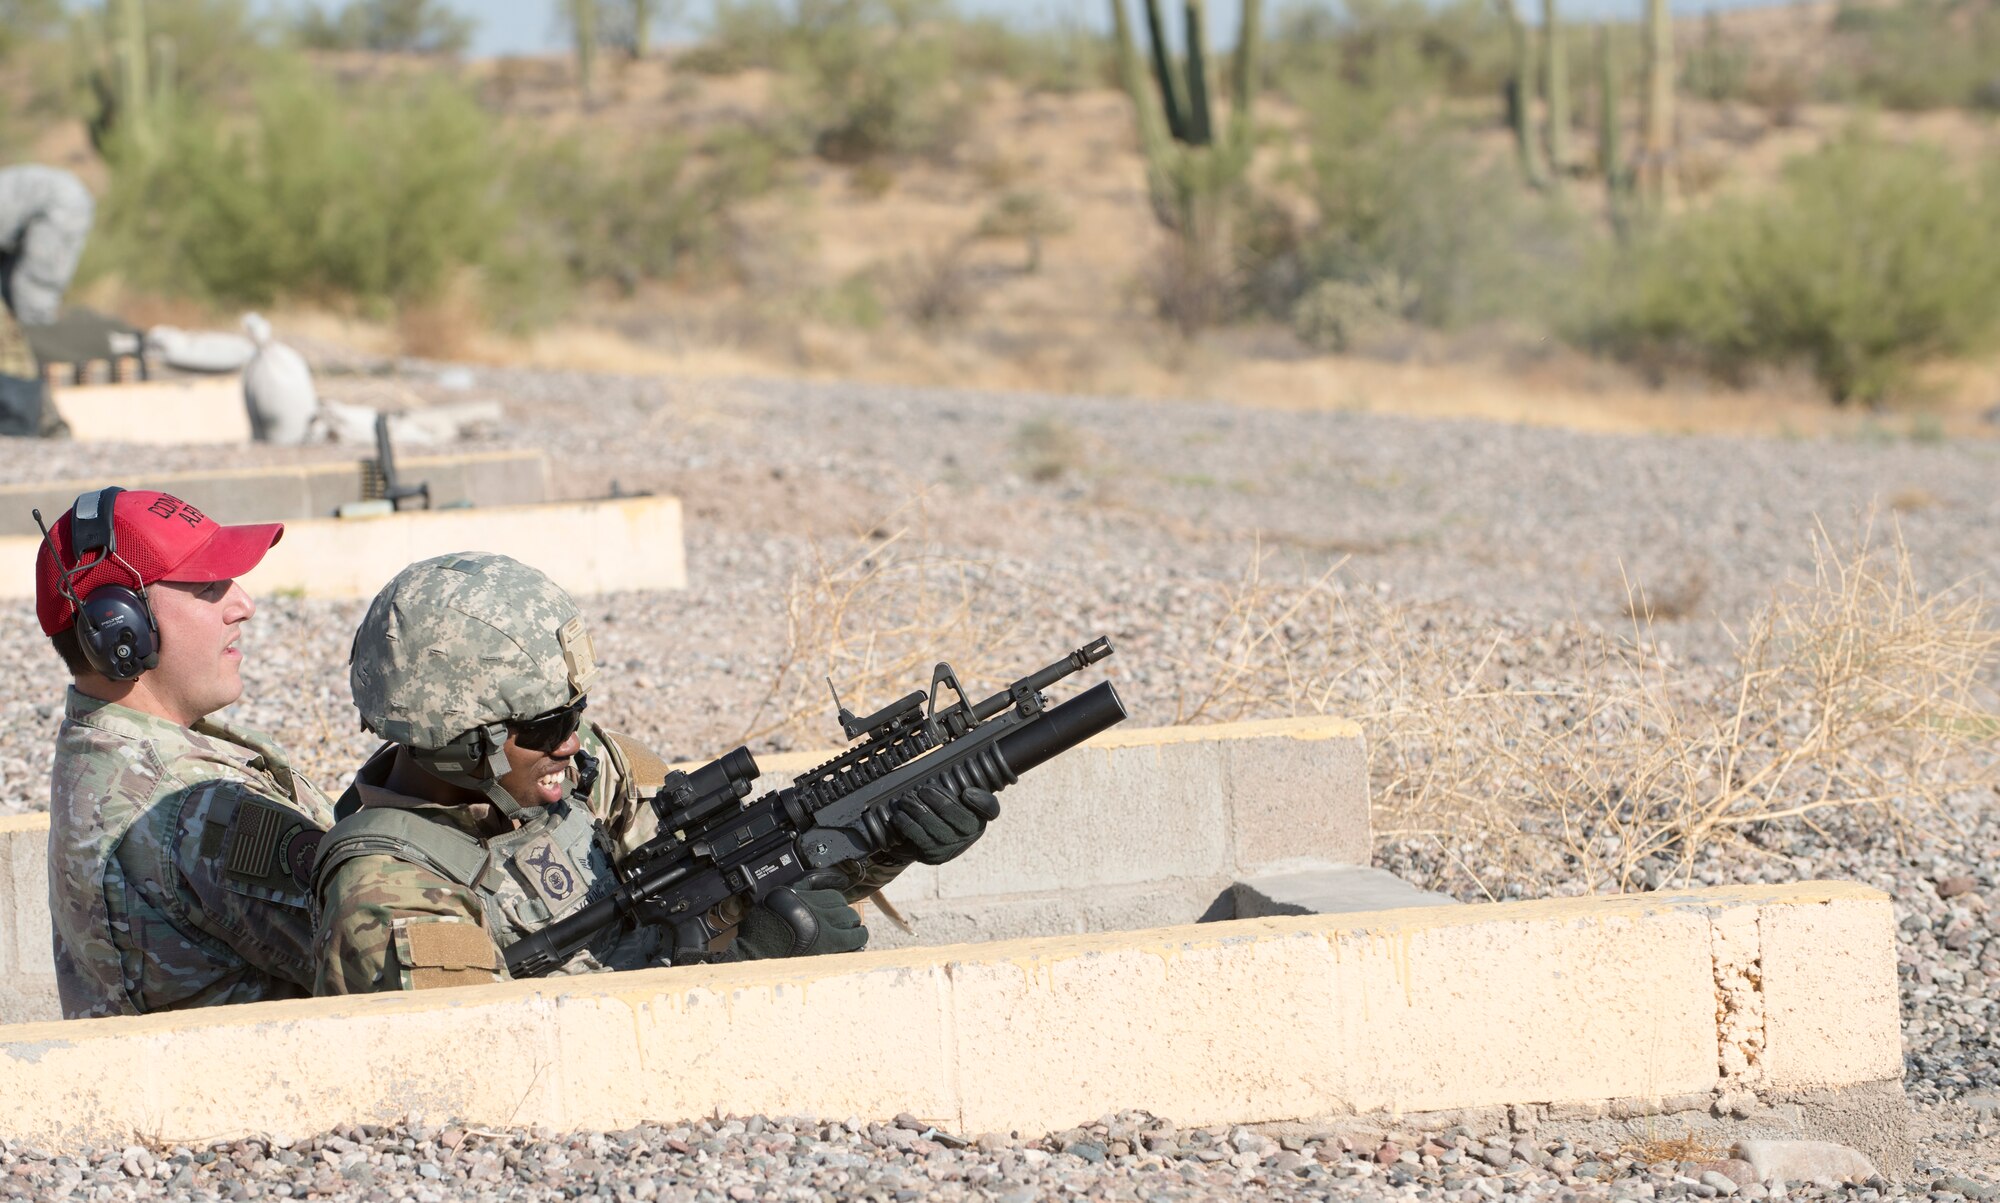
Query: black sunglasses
{"x": 548, "y": 730}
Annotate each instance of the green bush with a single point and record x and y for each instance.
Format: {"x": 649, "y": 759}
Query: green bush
{"x": 1868, "y": 259}
{"x": 858, "y": 78}
{"x": 402, "y": 26}
{"x": 379, "y": 195}
{"x": 1921, "y": 54}
{"x": 1399, "y": 197}
{"x": 622, "y": 214}
{"x": 1459, "y": 46}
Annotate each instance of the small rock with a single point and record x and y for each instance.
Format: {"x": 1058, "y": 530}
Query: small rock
{"x": 1387, "y": 1154}
{"x": 1723, "y": 1183}
{"x": 1952, "y": 887}
{"x": 1089, "y": 1150}
{"x": 1817, "y": 1161}
{"x": 1497, "y": 1156}
{"x": 1739, "y": 1172}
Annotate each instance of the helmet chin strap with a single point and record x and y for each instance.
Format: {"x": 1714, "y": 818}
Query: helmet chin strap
{"x": 488, "y": 763}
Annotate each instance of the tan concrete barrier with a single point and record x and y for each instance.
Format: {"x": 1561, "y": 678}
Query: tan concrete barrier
{"x": 286, "y": 494}
{"x": 27, "y": 961}
{"x": 1134, "y": 829}
{"x": 1569, "y": 1005}
{"x": 589, "y": 547}
{"x": 207, "y": 410}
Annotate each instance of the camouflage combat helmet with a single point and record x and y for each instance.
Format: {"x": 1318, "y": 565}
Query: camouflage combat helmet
{"x": 453, "y": 648}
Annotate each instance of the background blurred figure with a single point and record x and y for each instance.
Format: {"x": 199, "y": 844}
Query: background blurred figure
{"x": 45, "y": 216}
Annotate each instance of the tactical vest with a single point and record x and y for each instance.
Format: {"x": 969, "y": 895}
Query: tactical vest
{"x": 525, "y": 879}
{"x": 96, "y": 970}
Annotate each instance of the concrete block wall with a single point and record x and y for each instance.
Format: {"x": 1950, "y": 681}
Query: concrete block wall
{"x": 588, "y": 547}
{"x": 193, "y": 410}
{"x": 1623, "y": 1005}
{"x": 289, "y": 494}
{"x": 1137, "y": 828}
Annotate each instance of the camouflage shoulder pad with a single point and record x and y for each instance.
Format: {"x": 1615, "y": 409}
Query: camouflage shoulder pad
{"x": 640, "y": 764}
{"x": 437, "y": 951}
{"x": 384, "y": 831}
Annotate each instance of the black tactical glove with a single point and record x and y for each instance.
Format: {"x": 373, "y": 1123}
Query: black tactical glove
{"x": 934, "y": 826}
{"x": 803, "y": 921}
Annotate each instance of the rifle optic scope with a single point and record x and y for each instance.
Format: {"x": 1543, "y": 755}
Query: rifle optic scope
{"x": 686, "y": 799}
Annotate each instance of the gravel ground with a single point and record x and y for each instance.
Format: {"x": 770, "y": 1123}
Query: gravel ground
{"x": 1130, "y": 1156}
{"x": 1072, "y": 517}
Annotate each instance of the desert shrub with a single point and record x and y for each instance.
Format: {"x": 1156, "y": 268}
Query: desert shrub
{"x": 1064, "y": 59}
{"x": 1921, "y": 54}
{"x": 1716, "y": 67}
{"x": 743, "y": 34}
{"x": 314, "y": 192}
{"x": 1460, "y": 46}
{"x": 1854, "y": 696}
{"x": 27, "y": 23}
{"x": 1869, "y": 258}
{"x": 625, "y": 213}
{"x": 405, "y": 26}
{"x": 858, "y": 78}
{"x": 1400, "y": 197}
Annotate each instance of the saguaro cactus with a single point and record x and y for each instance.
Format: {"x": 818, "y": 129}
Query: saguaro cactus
{"x": 1610, "y": 155}
{"x": 1190, "y": 158}
{"x": 583, "y": 30}
{"x": 1555, "y": 85}
{"x": 642, "y": 27}
{"x": 1195, "y": 168}
{"x": 1520, "y": 88}
{"x": 129, "y": 76}
{"x": 1656, "y": 149}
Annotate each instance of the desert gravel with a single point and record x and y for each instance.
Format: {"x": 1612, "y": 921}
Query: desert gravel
{"x": 1073, "y": 517}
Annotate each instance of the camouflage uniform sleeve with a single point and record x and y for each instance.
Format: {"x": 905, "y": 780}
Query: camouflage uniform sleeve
{"x": 371, "y": 909}
{"x": 624, "y": 788}
{"x": 238, "y": 851}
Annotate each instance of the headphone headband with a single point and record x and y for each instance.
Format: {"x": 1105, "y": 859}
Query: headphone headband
{"x": 90, "y": 525}
{"x": 115, "y": 624}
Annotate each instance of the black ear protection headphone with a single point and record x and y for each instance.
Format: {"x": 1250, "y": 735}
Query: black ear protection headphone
{"x": 114, "y": 623}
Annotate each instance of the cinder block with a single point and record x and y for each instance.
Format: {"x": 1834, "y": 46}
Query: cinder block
{"x": 207, "y": 410}
{"x": 937, "y": 921}
{"x": 1102, "y": 814}
{"x": 1298, "y": 791}
{"x": 1568, "y": 1004}
{"x": 1323, "y": 889}
{"x": 589, "y": 547}
{"x": 1831, "y": 1013}
{"x": 27, "y": 959}
{"x": 286, "y": 494}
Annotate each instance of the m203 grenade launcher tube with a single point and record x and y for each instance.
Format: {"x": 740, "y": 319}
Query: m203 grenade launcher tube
{"x": 824, "y": 828}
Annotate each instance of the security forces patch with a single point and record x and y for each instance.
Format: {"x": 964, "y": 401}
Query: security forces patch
{"x": 550, "y": 873}
{"x": 297, "y": 852}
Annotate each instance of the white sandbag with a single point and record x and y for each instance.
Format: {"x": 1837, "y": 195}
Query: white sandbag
{"x": 199, "y": 350}
{"x": 277, "y": 388}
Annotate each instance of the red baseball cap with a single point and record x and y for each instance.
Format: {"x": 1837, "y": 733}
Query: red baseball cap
{"x": 160, "y": 538}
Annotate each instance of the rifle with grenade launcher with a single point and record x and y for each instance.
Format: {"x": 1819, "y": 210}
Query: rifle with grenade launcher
{"x": 714, "y": 846}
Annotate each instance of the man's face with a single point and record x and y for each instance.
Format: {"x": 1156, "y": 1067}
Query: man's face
{"x": 538, "y": 778}
{"x": 200, "y": 668}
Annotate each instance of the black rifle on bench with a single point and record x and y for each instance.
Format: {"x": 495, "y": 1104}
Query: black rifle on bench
{"x": 714, "y": 846}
